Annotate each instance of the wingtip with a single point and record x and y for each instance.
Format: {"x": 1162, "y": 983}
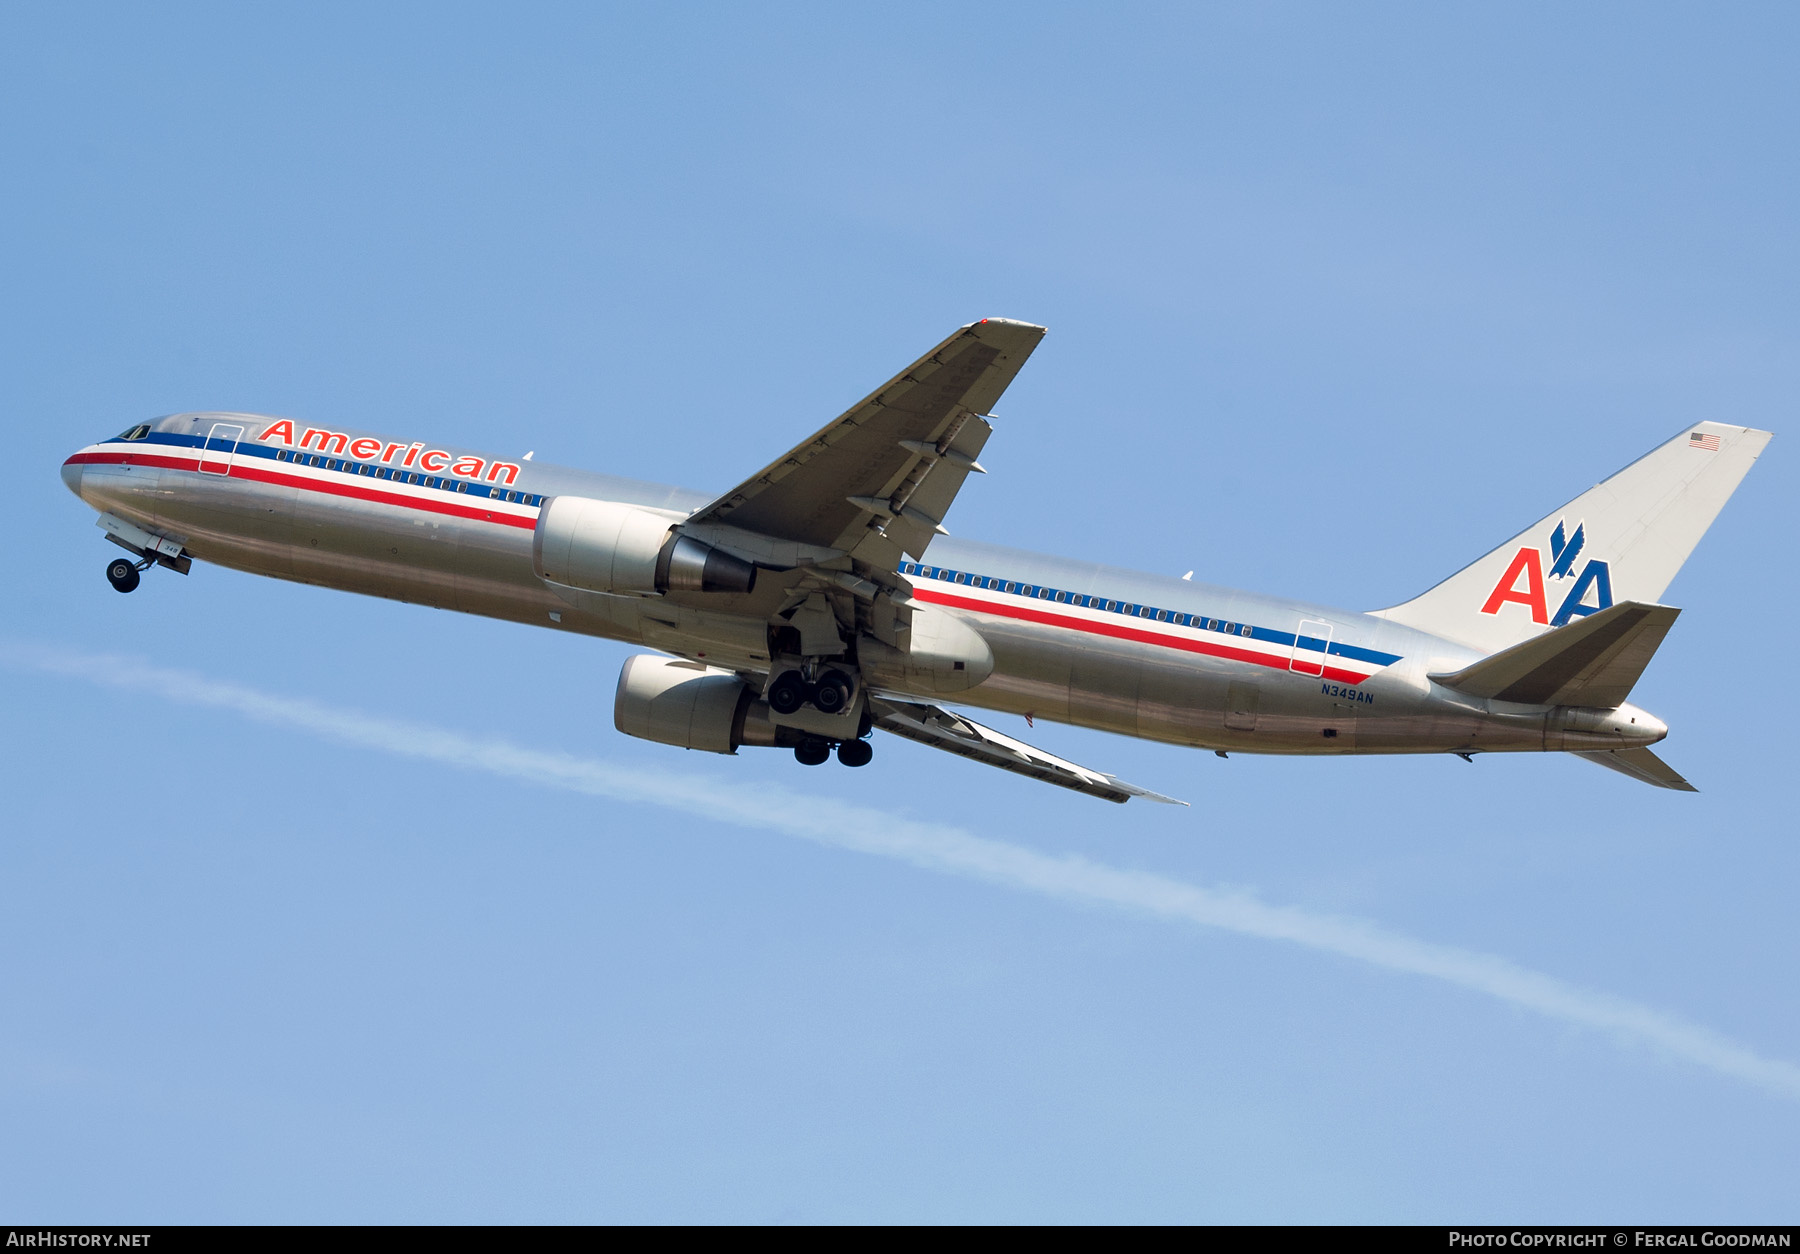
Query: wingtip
{"x": 1019, "y": 323}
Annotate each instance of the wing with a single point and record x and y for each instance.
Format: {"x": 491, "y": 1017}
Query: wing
{"x": 939, "y": 728}
{"x": 879, "y": 480}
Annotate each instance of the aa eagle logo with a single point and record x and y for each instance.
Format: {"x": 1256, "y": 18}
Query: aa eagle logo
{"x": 1527, "y": 567}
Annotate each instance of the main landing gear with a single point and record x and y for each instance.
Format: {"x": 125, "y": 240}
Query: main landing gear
{"x": 122, "y": 573}
{"x": 815, "y": 749}
{"x": 789, "y": 692}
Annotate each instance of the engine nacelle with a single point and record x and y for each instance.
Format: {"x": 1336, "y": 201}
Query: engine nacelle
{"x": 946, "y": 654}
{"x": 674, "y": 702}
{"x": 681, "y": 703}
{"x": 608, "y": 546}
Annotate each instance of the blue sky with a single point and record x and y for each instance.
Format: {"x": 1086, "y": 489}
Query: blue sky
{"x": 1338, "y": 299}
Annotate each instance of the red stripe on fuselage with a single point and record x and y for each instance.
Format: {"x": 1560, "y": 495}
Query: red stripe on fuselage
{"x": 1120, "y": 632}
{"x": 240, "y": 470}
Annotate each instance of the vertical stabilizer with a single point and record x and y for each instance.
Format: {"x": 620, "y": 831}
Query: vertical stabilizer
{"x": 1622, "y": 540}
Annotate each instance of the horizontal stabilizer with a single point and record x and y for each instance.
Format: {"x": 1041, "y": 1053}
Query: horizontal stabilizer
{"x": 1594, "y": 661}
{"x": 1641, "y": 764}
{"x": 939, "y": 728}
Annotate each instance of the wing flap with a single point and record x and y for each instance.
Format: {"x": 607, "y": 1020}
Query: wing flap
{"x": 1594, "y": 661}
{"x": 941, "y": 729}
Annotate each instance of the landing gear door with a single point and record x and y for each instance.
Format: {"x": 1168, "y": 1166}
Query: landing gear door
{"x": 1311, "y": 643}
{"x": 220, "y": 446}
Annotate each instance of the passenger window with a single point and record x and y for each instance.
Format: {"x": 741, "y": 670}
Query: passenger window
{"x": 1012, "y": 587}
{"x": 1162, "y": 616}
{"x": 1244, "y": 630}
{"x": 1061, "y": 596}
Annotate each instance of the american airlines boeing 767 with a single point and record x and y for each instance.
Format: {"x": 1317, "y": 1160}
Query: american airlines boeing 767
{"x": 821, "y": 599}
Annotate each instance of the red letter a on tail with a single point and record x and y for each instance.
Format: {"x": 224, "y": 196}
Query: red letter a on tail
{"x": 1528, "y": 561}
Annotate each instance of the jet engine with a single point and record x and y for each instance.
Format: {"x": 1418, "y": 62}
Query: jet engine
{"x": 693, "y": 706}
{"x": 607, "y": 546}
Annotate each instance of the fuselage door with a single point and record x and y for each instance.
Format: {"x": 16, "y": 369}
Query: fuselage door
{"x": 1310, "y": 645}
{"x": 220, "y": 446}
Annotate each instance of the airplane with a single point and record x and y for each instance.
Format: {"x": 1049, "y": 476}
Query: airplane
{"x": 822, "y": 599}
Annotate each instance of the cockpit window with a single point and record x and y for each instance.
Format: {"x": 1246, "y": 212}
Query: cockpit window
{"x": 136, "y": 433}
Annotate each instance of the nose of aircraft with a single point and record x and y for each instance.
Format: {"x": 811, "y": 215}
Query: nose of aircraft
{"x": 71, "y": 475}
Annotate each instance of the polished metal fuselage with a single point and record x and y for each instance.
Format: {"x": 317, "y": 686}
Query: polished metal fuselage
{"x": 245, "y": 511}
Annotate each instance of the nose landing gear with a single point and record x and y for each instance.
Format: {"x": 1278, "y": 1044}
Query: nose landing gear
{"x": 123, "y": 574}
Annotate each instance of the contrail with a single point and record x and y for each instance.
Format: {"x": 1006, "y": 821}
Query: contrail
{"x": 939, "y": 847}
